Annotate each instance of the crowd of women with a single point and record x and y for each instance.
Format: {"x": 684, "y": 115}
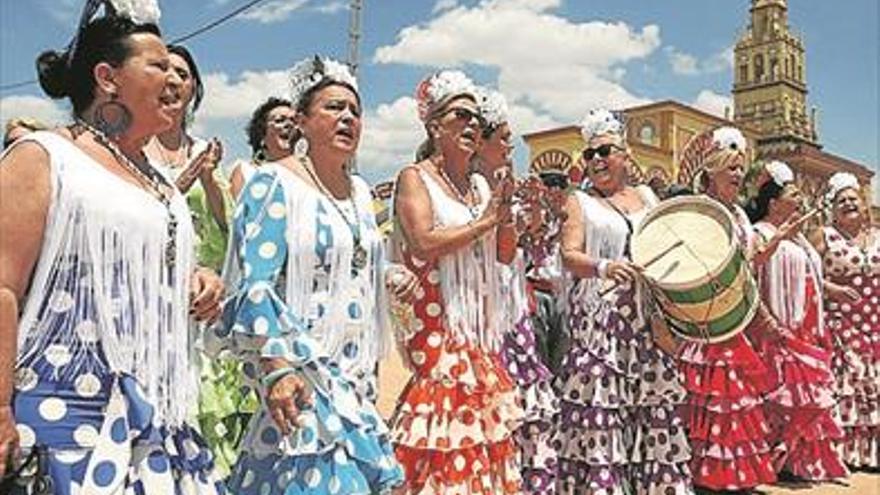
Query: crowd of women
{"x": 138, "y": 315}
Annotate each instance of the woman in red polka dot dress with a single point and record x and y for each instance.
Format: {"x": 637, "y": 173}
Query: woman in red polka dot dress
{"x": 798, "y": 349}
{"x": 725, "y": 380}
{"x": 454, "y": 423}
{"x": 851, "y": 252}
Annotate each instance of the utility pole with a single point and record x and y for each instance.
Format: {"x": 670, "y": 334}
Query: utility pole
{"x": 354, "y": 41}
{"x": 354, "y": 35}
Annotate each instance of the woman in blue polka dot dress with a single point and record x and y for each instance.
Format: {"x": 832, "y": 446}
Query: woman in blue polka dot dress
{"x": 307, "y": 314}
{"x": 96, "y": 271}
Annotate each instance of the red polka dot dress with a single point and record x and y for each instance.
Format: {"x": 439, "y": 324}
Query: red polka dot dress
{"x": 453, "y": 428}
{"x": 855, "y": 329}
{"x": 797, "y": 352}
{"x": 726, "y": 424}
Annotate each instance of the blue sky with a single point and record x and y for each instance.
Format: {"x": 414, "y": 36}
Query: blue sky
{"x": 553, "y": 59}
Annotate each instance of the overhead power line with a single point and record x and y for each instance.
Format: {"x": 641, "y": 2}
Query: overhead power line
{"x": 207, "y": 27}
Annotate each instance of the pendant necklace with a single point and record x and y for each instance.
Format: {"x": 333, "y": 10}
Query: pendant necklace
{"x": 155, "y": 186}
{"x": 359, "y": 256}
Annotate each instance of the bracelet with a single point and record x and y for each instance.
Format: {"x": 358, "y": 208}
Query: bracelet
{"x": 602, "y": 268}
{"x": 274, "y": 376}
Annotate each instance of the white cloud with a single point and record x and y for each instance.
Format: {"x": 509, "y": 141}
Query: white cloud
{"x": 47, "y": 111}
{"x": 552, "y": 65}
{"x": 274, "y": 11}
{"x": 331, "y": 7}
{"x": 688, "y": 65}
{"x": 682, "y": 63}
{"x": 392, "y": 132}
{"x": 230, "y": 98}
{"x": 720, "y": 61}
{"x": 442, "y": 5}
{"x": 714, "y": 103}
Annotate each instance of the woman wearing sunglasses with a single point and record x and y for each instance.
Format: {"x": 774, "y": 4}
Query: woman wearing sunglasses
{"x": 618, "y": 428}
{"x": 454, "y": 424}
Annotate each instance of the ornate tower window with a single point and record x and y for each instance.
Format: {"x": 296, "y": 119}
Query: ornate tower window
{"x": 759, "y": 67}
{"x": 647, "y": 133}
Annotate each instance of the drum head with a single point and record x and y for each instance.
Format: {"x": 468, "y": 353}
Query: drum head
{"x": 684, "y": 242}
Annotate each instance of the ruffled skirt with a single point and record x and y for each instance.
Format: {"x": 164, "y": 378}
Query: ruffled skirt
{"x": 341, "y": 443}
{"x": 619, "y": 430}
{"x": 727, "y": 427}
{"x": 100, "y": 436}
{"x": 856, "y": 367}
{"x": 534, "y": 437}
{"x": 453, "y": 429}
{"x": 799, "y": 409}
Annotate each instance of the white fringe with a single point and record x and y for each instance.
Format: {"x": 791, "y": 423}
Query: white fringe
{"x": 470, "y": 280}
{"x": 103, "y": 258}
{"x": 783, "y": 278}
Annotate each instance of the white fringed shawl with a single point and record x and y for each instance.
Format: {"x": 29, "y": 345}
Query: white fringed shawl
{"x": 783, "y": 278}
{"x": 470, "y": 281}
{"x": 102, "y": 279}
{"x": 605, "y": 237}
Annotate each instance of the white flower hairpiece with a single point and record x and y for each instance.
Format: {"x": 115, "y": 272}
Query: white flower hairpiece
{"x": 600, "y": 121}
{"x": 780, "y": 172}
{"x": 729, "y": 138}
{"x": 493, "y": 107}
{"x": 139, "y": 11}
{"x": 838, "y": 182}
{"x": 308, "y": 73}
{"x": 439, "y": 87}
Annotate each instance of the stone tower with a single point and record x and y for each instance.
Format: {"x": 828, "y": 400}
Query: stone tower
{"x": 770, "y": 84}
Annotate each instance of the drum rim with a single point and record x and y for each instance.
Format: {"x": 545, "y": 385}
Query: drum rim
{"x": 747, "y": 320}
{"x": 698, "y": 199}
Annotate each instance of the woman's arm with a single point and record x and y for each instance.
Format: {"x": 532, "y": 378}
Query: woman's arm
{"x": 24, "y": 202}
{"x": 416, "y": 217}
{"x": 214, "y": 197}
{"x": 574, "y": 259}
{"x": 236, "y": 181}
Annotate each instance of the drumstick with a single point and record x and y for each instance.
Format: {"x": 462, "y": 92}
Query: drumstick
{"x": 658, "y": 257}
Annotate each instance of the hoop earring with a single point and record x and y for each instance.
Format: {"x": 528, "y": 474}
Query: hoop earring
{"x": 112, "y": 118}
{"x": 301, "y": 148}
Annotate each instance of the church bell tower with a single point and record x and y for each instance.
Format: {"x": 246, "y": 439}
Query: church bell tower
{"x": 770, "y": 84}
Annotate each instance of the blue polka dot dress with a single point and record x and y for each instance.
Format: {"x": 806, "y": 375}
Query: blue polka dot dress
{"x": 302, "y": 298}
{"x": 104, "y": 380}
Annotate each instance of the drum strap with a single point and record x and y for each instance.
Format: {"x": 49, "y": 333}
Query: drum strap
{"x": 629, "y": 225}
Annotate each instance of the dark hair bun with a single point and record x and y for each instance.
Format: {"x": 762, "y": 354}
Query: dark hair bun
{"x": 53, "y": 71}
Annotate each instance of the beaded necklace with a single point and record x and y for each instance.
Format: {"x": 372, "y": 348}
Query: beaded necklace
{"x": 461, "y": 197}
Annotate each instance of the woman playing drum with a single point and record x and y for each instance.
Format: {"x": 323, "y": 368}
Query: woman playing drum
{"x": 619, "y": 431}
{"x": 725, "y": 380}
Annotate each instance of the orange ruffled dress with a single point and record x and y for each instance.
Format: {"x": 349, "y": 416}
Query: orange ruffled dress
{"x": 453, "y": 429}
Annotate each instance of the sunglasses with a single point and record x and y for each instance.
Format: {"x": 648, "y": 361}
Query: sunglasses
{"x": 603, "y": 151}
{"x": 464, "y": 115}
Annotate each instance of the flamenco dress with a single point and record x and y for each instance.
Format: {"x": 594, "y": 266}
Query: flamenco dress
{"x": 798, "y": 354}
{"x": 855, "y": 331}
{"x": 300, "y": 296}
{"x": 726, "y": 382}
{"x": 524, "y": 364}
{"x": 454, "y": 427}
{"x": 105, "y": 380}
{"x": 619, "y": 429}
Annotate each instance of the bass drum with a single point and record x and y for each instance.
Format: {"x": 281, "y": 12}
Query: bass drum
{"x": 696, "y": 269}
